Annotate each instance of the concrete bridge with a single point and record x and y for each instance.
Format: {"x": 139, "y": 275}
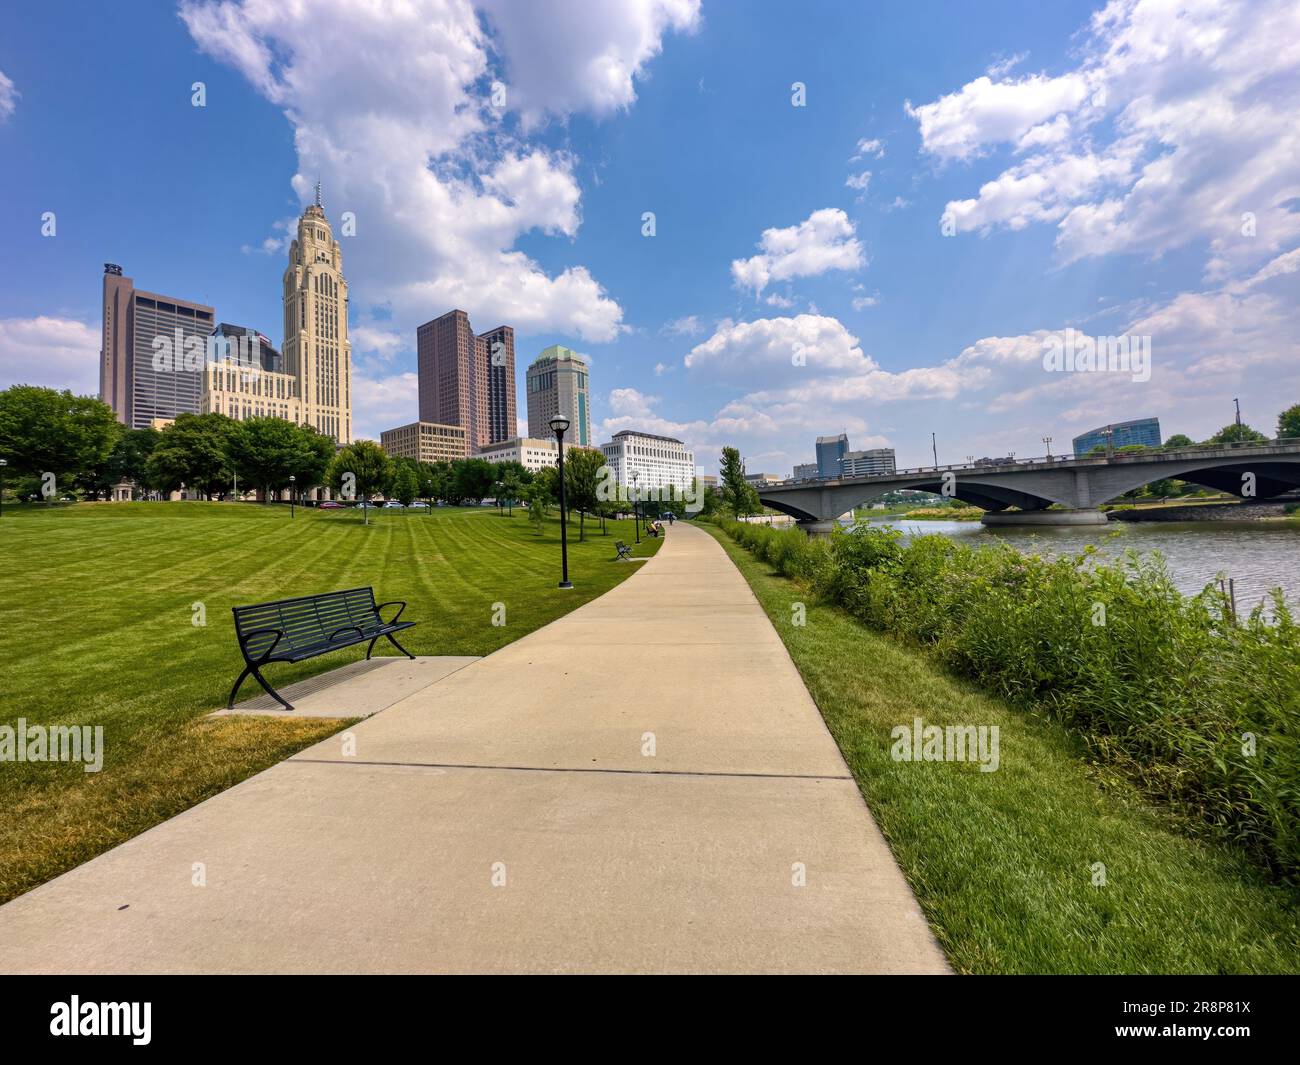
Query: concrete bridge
{"x": 1031, "y": 486}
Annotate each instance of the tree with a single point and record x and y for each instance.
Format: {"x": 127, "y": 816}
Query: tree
{"x": 128, "y": 461}
{"x": 581, "y": 479}
{"x": 316, "y": 452}
{"x": 1288, "y": 422}
{"x": 1180, "y": 440}
{"x": 473, "y": 479}
{"x": 512, "y": 486}
{"x": 735, "y": 489}
{"x": 406, "y": 482}
{"x": 1238, "y": 434}
{"x": 536, "y": 498}
{"x": 266, "y": 452}
{"x": 193, "y": 450}
{"x": 46, "y": 431}
{"x": 362, "y": 468}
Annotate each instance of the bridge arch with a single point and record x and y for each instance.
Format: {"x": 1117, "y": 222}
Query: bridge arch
{"x": 1270, "y": 478}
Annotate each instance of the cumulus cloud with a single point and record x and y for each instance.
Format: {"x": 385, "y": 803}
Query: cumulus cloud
{"x": 825, "y": 240}
{"x": 1176, "y": 125}
{"x": 52, "y": 352}
{"x": 689, "y": 326}
{"x": 565, "y": 56}
{"x": 778, "y": 348}
{"x": 872, "y": 147}
{"x": 393, "y": 115}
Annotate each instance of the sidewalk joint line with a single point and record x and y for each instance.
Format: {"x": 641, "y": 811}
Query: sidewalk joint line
{"x": 572, "y": 769}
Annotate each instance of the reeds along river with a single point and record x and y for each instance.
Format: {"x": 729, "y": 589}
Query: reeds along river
{"x": 1257, "y": 555}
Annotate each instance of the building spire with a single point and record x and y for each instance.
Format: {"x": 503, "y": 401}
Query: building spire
{"x": 318, "y": 203}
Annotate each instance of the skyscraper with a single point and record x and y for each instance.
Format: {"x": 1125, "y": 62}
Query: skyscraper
{"x": 151, "y": 361}
{"x": 317, "y": 350}
{"x": 830, "y": 451}
{"x": 558, "y": 383}
{"x": 467, "y": 380}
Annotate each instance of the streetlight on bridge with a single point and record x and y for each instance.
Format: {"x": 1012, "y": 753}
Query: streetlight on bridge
{"x": 1048, "y": 441}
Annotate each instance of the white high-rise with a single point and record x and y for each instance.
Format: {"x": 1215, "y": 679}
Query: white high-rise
{"x": 658, "y": 461}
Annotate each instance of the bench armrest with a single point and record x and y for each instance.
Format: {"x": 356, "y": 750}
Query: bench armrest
{"x": 245, "y": 637}
{"x": 346, "y": 628}
{"x": 399, "y": 603}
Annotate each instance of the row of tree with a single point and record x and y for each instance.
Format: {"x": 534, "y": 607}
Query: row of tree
{"x": 79, "y": 441}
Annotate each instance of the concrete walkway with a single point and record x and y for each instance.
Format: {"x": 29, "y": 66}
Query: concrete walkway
{"x": 637, "y": 787}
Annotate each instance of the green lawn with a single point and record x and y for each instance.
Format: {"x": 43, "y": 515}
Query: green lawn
{"x": 1002, "y": 862}
{"x": 96, "y": 609}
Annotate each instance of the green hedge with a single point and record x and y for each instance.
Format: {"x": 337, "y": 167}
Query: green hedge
{"x": 1169, "y": 688}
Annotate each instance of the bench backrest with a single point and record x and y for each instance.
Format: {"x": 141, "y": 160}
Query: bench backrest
{"x": 306, "y": 619}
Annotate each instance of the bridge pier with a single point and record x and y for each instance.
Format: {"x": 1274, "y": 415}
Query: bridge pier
{"x": 819, "y": 528}
{"x": 1044, "y": 517}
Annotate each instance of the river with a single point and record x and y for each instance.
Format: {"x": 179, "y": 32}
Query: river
{"x": 1257, "y": 555}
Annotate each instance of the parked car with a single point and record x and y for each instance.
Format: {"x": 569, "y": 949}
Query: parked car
{"x": 365, "y": 504}
{"x": 418, "y": 505}
{"x": 393, "y": 504}
{"x": 330, "y": 504}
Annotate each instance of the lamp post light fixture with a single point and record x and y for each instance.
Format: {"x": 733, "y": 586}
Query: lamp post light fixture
{"x": 1048, "y": 441}
{"x": 636, "y": 510}
{"x": 3, "y": 464}
{"x": 293, "y": 492}
{"x": 559, "y": 426}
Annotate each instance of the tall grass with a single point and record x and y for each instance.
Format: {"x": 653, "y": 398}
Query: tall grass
{"x": 1200, "y": 709}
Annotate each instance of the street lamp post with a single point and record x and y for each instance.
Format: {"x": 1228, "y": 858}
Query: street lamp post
{"x": 1048, "y": 441}
{"x": 560, "y": 425}
{"x": 636, "y": 510}
{"x": 293, "y": 492}
{"x": 3, "y": 464}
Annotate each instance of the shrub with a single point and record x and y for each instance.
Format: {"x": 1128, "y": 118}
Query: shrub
{"x": 1200, "y": 709}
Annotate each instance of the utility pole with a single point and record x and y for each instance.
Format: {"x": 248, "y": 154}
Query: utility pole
{"x": 935, "y": 448}
{"x": 1237, "y": 402}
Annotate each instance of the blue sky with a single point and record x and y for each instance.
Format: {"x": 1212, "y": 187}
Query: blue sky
{"x": 1096, "y": 166}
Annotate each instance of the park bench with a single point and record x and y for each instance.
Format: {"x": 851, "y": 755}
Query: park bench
{"x": 624, "y": 552}
{"x": 293, "y": 630}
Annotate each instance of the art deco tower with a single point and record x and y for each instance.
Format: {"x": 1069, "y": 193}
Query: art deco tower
{"x": 317, "y": 350}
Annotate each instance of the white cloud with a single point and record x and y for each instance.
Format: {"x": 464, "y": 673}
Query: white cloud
{"x": 565, "y": 56}
{"x": 858, "y": 181}
{"x": 52, "y": 352}
{"x": 778, "y": 349}
{"x": 824, "y": 241}
{"x": 872, "y": 147}
{"x": 1176, "y": 124}
{"x": 392, "y": 114}
{"x": 984, "y": 112}
{"x": 370, "y": 339}
{"x": 689, "y": 326}
{"x": 8, "y": 96}
{"x": 381, "y": 401}
{"x": 775, "y": 299}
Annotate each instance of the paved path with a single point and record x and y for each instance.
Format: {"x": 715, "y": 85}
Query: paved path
{"x": 505, "y": 818}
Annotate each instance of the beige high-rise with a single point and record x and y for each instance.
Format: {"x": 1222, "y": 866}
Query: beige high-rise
{"x": 316, "y": 346}
{"x": 314, "y": 384}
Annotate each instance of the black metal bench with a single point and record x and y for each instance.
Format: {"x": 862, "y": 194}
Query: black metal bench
{"x": 293, "y": 630}
{"x": 623, "y": 550}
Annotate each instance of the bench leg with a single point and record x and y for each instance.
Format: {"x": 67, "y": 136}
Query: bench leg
{"x": 269, "y": 690}
{"x": 399, "y": 646}
{"x": 230, "y": 703}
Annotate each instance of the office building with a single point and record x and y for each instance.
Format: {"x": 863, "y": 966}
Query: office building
{"x": 830, "y": 451}
{"x": 658, "y": 461}
{"x": 467, "y": 380}
{"x": 557, "y": 383}
{"x": 763, "y": 478}
{"x": 533, "y": 453}
{"x": 806, "y": 471}
{"x": 151, "y": 359}
{"x": 425, "y": 442}
{"x": 317, "y": 351}
{"x": 310, "y": 383}
{"x": 874, "y": 461}
{"x": 1145, "y": 431}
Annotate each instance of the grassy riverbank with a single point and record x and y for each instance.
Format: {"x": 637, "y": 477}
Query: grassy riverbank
{"x": 1006, "y": 864}
{"x": 97, "y": 604}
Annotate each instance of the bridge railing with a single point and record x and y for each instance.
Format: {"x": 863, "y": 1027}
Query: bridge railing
{"x": 1164, "y": 453}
